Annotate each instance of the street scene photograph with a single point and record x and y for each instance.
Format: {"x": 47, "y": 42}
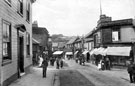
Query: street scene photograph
{"x": 67, "y": 42}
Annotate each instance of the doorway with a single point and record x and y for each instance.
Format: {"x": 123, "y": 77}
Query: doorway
{"x": 20, "y": 56}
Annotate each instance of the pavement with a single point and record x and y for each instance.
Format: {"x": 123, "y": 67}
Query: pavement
{"x": 34, "y": 78}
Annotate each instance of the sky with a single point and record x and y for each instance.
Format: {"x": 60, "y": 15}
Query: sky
{"x": 78, "y": 17}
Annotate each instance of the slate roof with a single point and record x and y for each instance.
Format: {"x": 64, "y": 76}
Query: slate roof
{"x": 39, "y": 30}
{"x": 72, "y": 40}
{"x": 40, "y": 34}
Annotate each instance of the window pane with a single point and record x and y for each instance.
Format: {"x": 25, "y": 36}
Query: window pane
{"x": 5, "y": 50}
{"x": 8, "y": 35}
{"x": 5, "y": 32}
{"x": 6, "y": 45}
{"x": 115, "y": 36}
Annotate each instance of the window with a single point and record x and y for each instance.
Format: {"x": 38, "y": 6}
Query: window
{"x": 6, "y": 41}
{"x": 20, "y": 7}
{"x": 115, "y": 35}
{"x": 28, "y": 43}
{"x": 28, "y": 12}
{"x": 8, "y": 1}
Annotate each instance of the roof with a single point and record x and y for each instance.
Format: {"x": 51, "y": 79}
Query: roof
{"x": 78, "y": 40}
{"x": 39, "y": 30}
{"x": 72, "y": 40}
{"x": 123, "y": 22}
{"x": 88, "y": 39}
{"x": 89, "y": 34}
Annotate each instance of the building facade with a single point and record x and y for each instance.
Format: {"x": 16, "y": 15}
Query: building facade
{"x": 40, "y": 34}
{"x": 115, "y": 34}
{"x": 15, "y": 39}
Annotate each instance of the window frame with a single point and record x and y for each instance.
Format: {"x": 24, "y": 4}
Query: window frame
{"x": 20, "y": 7}
{"x": 9, "y": 49}
{"x": 28, "y": 11}
{"x": 28, "y": 43}
{"x": 116, "y": 29}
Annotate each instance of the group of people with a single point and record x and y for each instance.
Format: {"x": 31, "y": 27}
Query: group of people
{"x": 104, "y": 64}
{"x": 59, "y": 63}
{"x": 43, "y": 62}
{"x": 80, "y": 59}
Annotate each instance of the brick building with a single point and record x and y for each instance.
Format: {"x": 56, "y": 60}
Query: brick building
{"x": 15, "y": 39}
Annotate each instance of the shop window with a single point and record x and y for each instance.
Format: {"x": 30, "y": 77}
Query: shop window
{"x": 20, "y": 7}
{"x": 28, "y": 44}
{"x": 6, "y": 47}
{"x": 28, "y": 12}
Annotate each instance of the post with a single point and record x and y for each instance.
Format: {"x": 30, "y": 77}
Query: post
{"x": 133, "y": 48}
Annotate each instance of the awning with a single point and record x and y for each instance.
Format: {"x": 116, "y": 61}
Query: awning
{"x": 85, "y": 52}
{"x": 69, "y": 53}
{"x": 57, "y": 52}
{"x": 118, "y": 51}
{"x": 92, "y": 51}
{"x": 104, "y": 52}
{"x": 99, "y": 51}
{"x": 76, "y": 52}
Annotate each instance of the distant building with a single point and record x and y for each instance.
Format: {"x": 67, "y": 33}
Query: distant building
{"x": 41, "y": 35}
{"x": 15, "y": 39}
{"x": 89, "y": 43}
{"x": 54, "y": 46}
{"x": 58, "y": 46}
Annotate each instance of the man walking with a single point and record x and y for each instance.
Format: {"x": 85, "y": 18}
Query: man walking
{"x": 130, "y": 72}
{"x": 44, "y": 65}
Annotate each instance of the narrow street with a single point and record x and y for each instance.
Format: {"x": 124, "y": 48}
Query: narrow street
{"x": 88, "y": 75}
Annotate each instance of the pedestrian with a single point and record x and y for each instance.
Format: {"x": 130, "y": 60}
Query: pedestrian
{"x": 44, "y": 66}
{"x": 57, "y": 63}
{"x": 61, "y": 63}
{"x": 53, "y": 60}
{"x": 130, "y": 71}
{"x": 107, "y": 64}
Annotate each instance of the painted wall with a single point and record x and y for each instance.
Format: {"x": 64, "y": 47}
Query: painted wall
{"x": 9, "y": 13}
{"x": 127, "y": 34}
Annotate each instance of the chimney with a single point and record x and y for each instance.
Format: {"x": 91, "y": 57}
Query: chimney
{"x": 35, "y": 24}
